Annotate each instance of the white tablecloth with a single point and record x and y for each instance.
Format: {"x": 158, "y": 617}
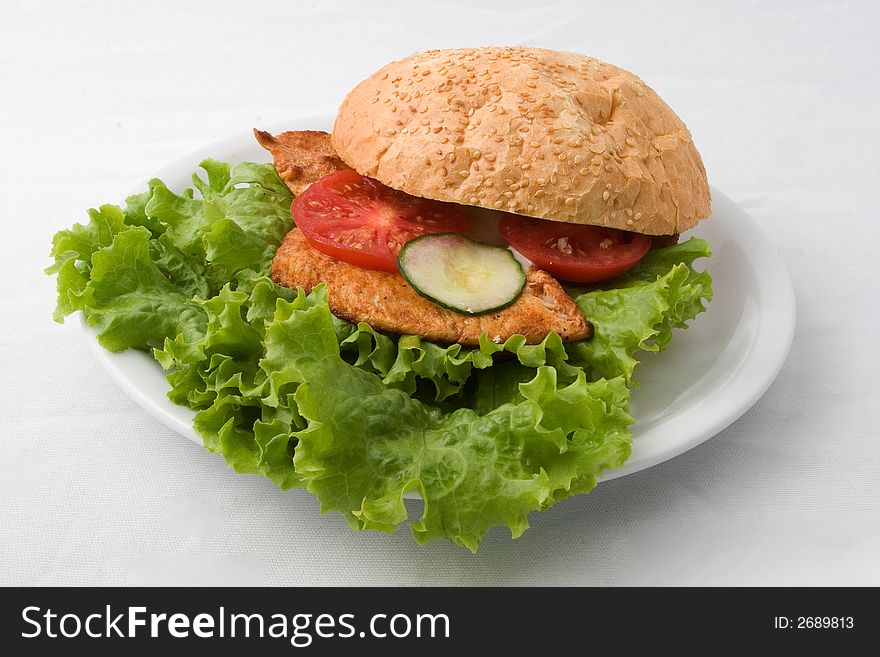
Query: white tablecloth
{"x": 782, "y": 100}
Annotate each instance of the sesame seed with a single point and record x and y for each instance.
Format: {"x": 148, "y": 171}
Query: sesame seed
{"x": 570, "y": 200}
{"x": 584, "y": 171}
{"x": 638, "y": 215}
{"x": 463, "y": 173}
{"x": 605, "y": 196}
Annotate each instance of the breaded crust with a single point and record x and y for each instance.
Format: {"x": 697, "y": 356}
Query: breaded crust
{"x": 386, "y": 302}
{"x": 301, "y": 156}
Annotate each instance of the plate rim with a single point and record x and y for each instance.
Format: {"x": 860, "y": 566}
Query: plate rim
{"x": 767, "y": 354}
{"x": 774, "y": 345}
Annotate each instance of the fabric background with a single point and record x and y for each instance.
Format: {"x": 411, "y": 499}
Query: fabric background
{"x": 782, "y": 100}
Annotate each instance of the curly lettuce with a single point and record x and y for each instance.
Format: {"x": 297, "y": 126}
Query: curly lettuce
{"x": 284, "y": 389}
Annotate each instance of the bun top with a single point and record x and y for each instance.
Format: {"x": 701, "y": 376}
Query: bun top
{"x": 547, "y": 134}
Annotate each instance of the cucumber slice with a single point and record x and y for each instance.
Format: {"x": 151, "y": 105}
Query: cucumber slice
{"x": 458, "y": 273}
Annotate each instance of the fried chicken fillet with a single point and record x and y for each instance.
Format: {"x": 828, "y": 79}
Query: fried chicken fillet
{"x": 384, "y": 300}
{"x": 301, "y": 156}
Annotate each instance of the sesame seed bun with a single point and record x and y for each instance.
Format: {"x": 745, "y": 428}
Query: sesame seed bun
{"x": 547, "y": 134}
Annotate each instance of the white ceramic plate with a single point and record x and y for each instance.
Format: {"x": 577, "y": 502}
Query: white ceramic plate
{"x": 708, "y": 376}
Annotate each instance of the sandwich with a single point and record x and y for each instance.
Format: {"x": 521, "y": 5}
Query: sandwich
{"x": 446, "y": 297}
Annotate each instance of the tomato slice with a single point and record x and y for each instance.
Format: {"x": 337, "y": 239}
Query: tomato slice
{"x": 361, "y": 221}
{"x": 573, "y": 252}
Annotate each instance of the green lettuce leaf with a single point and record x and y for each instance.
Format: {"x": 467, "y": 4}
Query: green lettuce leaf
{"x": 662, "y": 292}
{"x": 129, "y": 299}
{"x": 284, "y": 389}
{"x": 72, "y": 251}
{"x": 367, "y": 444}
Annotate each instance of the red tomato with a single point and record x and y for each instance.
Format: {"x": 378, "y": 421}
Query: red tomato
{"x": 573, "y": 252}
{"x": 361, "y": 221}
